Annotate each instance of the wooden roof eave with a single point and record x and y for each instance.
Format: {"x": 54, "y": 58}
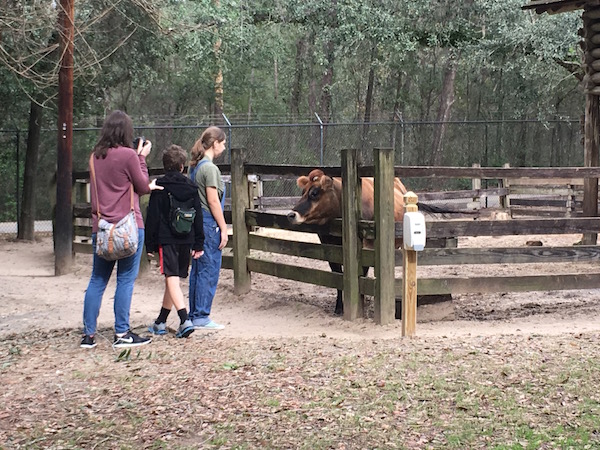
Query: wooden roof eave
{"x": 558, "y": 6}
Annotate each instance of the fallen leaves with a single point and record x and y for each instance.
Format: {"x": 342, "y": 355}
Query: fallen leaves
{"x": 302, "y": 393}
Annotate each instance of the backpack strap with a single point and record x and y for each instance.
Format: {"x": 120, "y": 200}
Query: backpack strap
{"x": 193, "y": 172}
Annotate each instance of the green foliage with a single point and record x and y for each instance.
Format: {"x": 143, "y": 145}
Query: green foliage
{"x": 158, "y": 60}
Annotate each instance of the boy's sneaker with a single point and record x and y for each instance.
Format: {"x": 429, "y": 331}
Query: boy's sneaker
{"x": 185, "y": 329}
{"x": 158, "y": 328}
{"x": 210, "y": 325}
{"x": 88, "y": 341}
{"x": 130, "y": 339}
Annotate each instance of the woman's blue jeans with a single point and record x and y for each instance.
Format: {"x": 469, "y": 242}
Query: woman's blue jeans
{"x": 127, "y": 272}
{"x": 204, "y": 275}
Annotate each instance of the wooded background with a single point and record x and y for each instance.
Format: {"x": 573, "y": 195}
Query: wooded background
{"x": 443, "y": 82}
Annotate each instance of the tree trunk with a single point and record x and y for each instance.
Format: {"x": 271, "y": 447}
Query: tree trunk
{"x": 369, "y": 97}
{"x": 327, "y": 78}
{"x": 301, "y": 45}
{"x": 326, "y": 83}
{"x": 326, "y": 86}
{"x": 520, "y": 157}
{"x": 427, "y": 90}
{"x": 443, "y": 115}
{"x": 360, "y": 104}
{"x": 276, "y": 77}
{"x": 312, "y": 95}
{"x": 397, "y": 111}
{"x": 298, "y": 77}
{"x": 250, "y": 95}
{"x": 27, "y": 219}
{"x": 398, "y": 115}
{"x": 218, "y": 106}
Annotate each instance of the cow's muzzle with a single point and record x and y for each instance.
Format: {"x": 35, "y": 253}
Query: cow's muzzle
{"x": 294, "y": 218}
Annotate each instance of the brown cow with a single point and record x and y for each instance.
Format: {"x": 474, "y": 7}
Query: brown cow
{"x": 321, "y": 202}
{"x": 322, "y": 199}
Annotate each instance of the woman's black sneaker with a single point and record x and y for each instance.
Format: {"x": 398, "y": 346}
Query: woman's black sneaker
{"x": 88, "y": 341}
{"x": 130, "y": 339}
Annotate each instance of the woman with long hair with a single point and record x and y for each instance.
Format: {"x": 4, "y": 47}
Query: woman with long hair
{"x": 204, "y": 275}
{"x": 116, "y": 168}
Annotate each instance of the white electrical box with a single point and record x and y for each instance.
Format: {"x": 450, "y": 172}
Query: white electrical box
{"x": 414, "y": 231}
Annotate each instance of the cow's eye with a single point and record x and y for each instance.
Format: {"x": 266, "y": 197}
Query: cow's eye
{"x": 313, "y": 193}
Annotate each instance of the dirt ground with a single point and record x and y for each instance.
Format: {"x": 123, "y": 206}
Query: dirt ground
{"x": 485, "y": 371}
{"x": 32, "y": 298}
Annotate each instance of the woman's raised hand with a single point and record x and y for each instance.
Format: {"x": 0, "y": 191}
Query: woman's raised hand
{"x": 153, "y": 186}
{"x": 144, "y": 149}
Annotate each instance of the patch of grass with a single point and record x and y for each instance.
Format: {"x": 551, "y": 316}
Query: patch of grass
{"x": 231, "y": 365}
{"x": 159, "y": 444}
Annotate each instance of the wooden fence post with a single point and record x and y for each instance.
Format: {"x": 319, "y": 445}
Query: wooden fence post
{"x": 239, "y": 202}
{"x": 385, "y": 298}
{"x": 409, "y": 277}
{"x": 505, "y": 199}
{"x": 476, "y": 185}
{"x": 351, "y": 244}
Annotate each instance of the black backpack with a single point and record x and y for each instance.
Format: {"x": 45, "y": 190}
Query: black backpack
{"x": 181, "y": 216}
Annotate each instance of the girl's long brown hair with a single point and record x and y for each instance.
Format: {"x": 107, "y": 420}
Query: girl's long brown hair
{"x": 206, "y": 141}
{"x": 117, "y": 130}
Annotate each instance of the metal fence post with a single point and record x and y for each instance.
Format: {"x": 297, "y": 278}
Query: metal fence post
{"x": 18, "y": 199}
{"x": 399, "y": 116}
{"x": 322, "y": 144}
{"x": 229, "y": 137}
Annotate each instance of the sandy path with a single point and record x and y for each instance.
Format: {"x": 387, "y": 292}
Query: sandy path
{"x": 33, "y": 298}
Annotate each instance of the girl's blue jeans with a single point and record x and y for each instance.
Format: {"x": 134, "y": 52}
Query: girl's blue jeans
{"x": 204, "y": 275}
{"x": 127, "y": 272}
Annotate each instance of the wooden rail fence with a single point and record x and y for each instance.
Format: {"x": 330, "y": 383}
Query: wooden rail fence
{"x": 245, "y": 242}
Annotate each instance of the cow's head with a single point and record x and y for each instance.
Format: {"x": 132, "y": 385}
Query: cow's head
{"x": 320, "y": 202}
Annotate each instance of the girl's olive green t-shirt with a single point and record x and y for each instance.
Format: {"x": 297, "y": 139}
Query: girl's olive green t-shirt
{"x": 208, "y": 175}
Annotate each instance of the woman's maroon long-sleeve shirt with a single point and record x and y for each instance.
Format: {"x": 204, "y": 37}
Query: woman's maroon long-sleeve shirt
{"x": 114, "y": 176}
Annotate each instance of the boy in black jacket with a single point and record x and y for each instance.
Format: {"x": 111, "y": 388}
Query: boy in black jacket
{"x": 169, "y": 210}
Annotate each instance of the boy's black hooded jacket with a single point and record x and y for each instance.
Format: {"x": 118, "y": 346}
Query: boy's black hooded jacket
{"x": 158, "y": 231}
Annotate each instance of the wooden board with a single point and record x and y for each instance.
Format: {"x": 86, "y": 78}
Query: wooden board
{"x": 324, "y": 252}
{"x": 296, "y": 273}
{"x": 489, "y": 285}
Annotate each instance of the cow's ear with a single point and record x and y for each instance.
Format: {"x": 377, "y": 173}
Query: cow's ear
{"x": 326, "y": 182}
{"x": 302, "y": 182}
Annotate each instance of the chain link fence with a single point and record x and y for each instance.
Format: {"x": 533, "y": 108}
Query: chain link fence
{"x": 531, "y": 143}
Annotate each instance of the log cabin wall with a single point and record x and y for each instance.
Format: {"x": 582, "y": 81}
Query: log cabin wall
{"x": 591, "y": 48}
{"x": 591, "y": 87}
{"x": 558, "y": 6}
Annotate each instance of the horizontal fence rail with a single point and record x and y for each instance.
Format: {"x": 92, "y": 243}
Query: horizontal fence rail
{"x": 446, "y": 256}
{"x": 436, "y": 171}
